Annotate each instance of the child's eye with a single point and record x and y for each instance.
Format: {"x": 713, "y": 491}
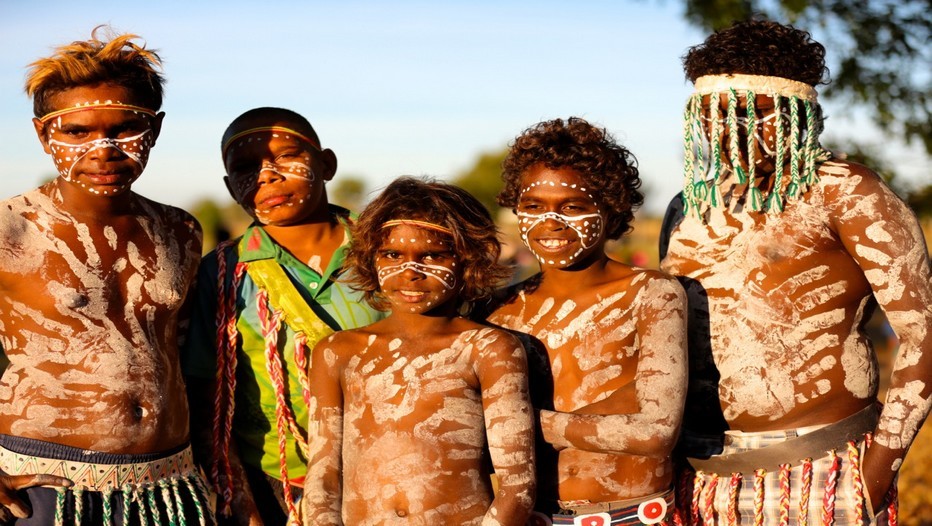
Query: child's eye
{"x": 390, "y": 254}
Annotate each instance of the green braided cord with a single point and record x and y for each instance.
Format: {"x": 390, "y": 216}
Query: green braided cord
{"x": 78, "y": 506}
{"x": 775, "y": 200}
{"x": 205, "y": 494}
{"x": 811, "y": 145}
{"x": 167, "y": 499}
{"x": 196, "y": 495}
{"x": 139, "y": 492}
{"x": 127, "y": 502}
{"x": 733, "y": 136}
{"x": 795, "y": 183}
{"x": 750, "y": 100}
{"x": 716, "y": 144}
{"x": 688, "y": 156}
{"x": 153, "y": 504}
{"x": 108, "y": 511}
{"x": 60, "y": 496}
{"x": 182, "y": 516}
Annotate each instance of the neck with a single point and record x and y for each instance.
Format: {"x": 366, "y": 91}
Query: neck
{"x": 319, "y": 237}
{"x": 436, "y": 321}
{"x": 575, "y": 277}
{"x": 83, "y": 205}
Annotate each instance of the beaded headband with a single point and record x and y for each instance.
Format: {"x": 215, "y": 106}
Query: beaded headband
{"x": 260, "y": 129}
{"x": 96, "y": 105}
{"x": 418, "y": 223}
{"x": 796, "y": 141}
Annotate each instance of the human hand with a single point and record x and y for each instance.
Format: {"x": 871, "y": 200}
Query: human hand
{"x": 11, "y": 504}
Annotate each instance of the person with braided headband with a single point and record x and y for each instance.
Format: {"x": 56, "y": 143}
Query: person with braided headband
{"x": 93, "y": 418}
{"x": 410, "y": 414}
{"x": 785, "y": 250}
{"x": 262, "y": 302}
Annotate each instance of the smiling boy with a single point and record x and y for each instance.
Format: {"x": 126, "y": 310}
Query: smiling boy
{"x": 92, "y": 280}
{"x": 263, "y": 301}
{"x": 607, "y": 340}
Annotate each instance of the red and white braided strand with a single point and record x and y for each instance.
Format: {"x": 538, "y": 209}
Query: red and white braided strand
{"x": 854, "y": 458}
{"x": 759, "y": 496}
{"x": 831, "y": 484}
{"x": 784, "y": 494}
{"x": 804, "y": 492}
{"x": 697, "y": 494}
{"x": 270, "y": 320}
{"x": 710, "y": 490}
{"x": 734, "y": 485}
{"x": 221, "y": 472}
{"x": 301, "y": 361}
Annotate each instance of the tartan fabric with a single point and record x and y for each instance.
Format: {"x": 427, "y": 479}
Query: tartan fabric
{"x": 727, "y": 499}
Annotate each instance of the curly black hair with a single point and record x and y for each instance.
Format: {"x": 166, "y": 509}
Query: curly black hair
{"x": 475, "y": 237}
{"x": 608, "y": 168}
{"x": 759, "y": 47}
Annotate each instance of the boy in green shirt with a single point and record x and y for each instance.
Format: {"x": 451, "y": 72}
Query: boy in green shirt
{"x": 263, "y": 301}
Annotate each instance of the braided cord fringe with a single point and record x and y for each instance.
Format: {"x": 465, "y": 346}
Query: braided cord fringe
{"x": 220, "y": 470}
{"x": 78, "y": 506}
{"x": 804, "y": 493}
{"x": 759, "y": 497}
{"x": 757, "y": 201}
{"x": 710, "y": 500}
{"x": 784, "y": 494}
{"x": 828, "y": 501}
{"x": 733, "y": 486}
{"x": 854, "y": 459}
{"x": 775, "y": 201}
{"x": 697, "y": 495}
{"x": 690, "y": 120}
{"x": 60, "y": 506}
{"x": 795, "y": 186}
{"x": 732, "y": 123}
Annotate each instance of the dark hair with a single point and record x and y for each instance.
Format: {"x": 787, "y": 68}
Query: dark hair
{"x": 475, "y": 240}
{"x": 119, "y": 61}
{"x": 268, "y": 116}
{"x": 759, "y": 47}
{"x": 608, "y": 168}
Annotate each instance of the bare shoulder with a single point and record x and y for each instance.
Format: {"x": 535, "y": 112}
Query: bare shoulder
{"x": 171, "y": 217}
{"x": 635, "y": 279}
{"x": 841, "y": 179}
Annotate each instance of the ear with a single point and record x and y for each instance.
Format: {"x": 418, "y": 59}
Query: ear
{"x": 43, "y": 137}
{"x": 157, "y": 125}
{"x": 329, "y": 161}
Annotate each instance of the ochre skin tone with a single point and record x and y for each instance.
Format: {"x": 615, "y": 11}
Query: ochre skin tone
{"x": 608, "y": 363}
{"x": 777, "y": 301}
{"x": 412, "y": 401}
{"x": 92, "y": 281}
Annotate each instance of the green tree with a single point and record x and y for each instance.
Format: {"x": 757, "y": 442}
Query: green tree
{"x": 484, "y": 178}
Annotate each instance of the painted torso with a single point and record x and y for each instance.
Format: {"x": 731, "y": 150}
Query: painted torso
{"x": 417, "y": 417}
{"x": 89, "y": 321}
{"x": 586, "y": 349}
{"x": 778, "y": 300}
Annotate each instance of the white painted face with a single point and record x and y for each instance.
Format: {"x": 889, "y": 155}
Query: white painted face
{"x": 416, "y": 268}
{"x": 559, "y": 219}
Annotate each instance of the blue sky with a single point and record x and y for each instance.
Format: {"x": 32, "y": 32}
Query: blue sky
{"x": 393, "y": 88}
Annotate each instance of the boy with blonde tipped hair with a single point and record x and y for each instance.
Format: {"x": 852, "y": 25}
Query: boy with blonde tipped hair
{"x": 93, "y": 418}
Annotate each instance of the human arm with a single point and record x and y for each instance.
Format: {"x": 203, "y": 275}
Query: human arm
{"x": 323, "y": 486}
{"x": 11, "y": 504}
{"x": 502, "y": 370}
{"x": 884, "y": 238}
{"x": 659, "y": 386}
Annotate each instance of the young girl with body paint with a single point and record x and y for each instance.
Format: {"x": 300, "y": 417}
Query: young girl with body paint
{"x": 785, "y": 250}
{"x": 607, "y": 340}
{"x": 92, "y": 281}
{"x": 263, "y": 301}
{"x": 405, "y": 412}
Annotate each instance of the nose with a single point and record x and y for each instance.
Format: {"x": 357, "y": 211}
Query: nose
{"x": 104, "y": 150}
{"x": 412, "y": 273}
{"x": 551, "y": 222}
{"x": 268, "y": 173}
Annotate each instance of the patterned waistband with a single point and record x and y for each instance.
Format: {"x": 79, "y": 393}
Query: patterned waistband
{"x": 102, "y": 476}
{"x": 651, "y": 509}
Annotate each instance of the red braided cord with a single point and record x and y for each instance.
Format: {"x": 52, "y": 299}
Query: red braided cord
{"x": 894, "y": 506}
{"x": 220, "y": 469}
{"x": 710, "y": 501}
{"x": 733, "y": 486}
{"x": 784, "y": 494}
{"x": 854, "y": 458}
{"x": 759, "y": 497}
{"x": 271, "y": 324}
{"x": 828, "y": 502}
{"x": 804, "y": 493}
{"x": 697, "y": 493}
{"x": 300, "y": 360}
